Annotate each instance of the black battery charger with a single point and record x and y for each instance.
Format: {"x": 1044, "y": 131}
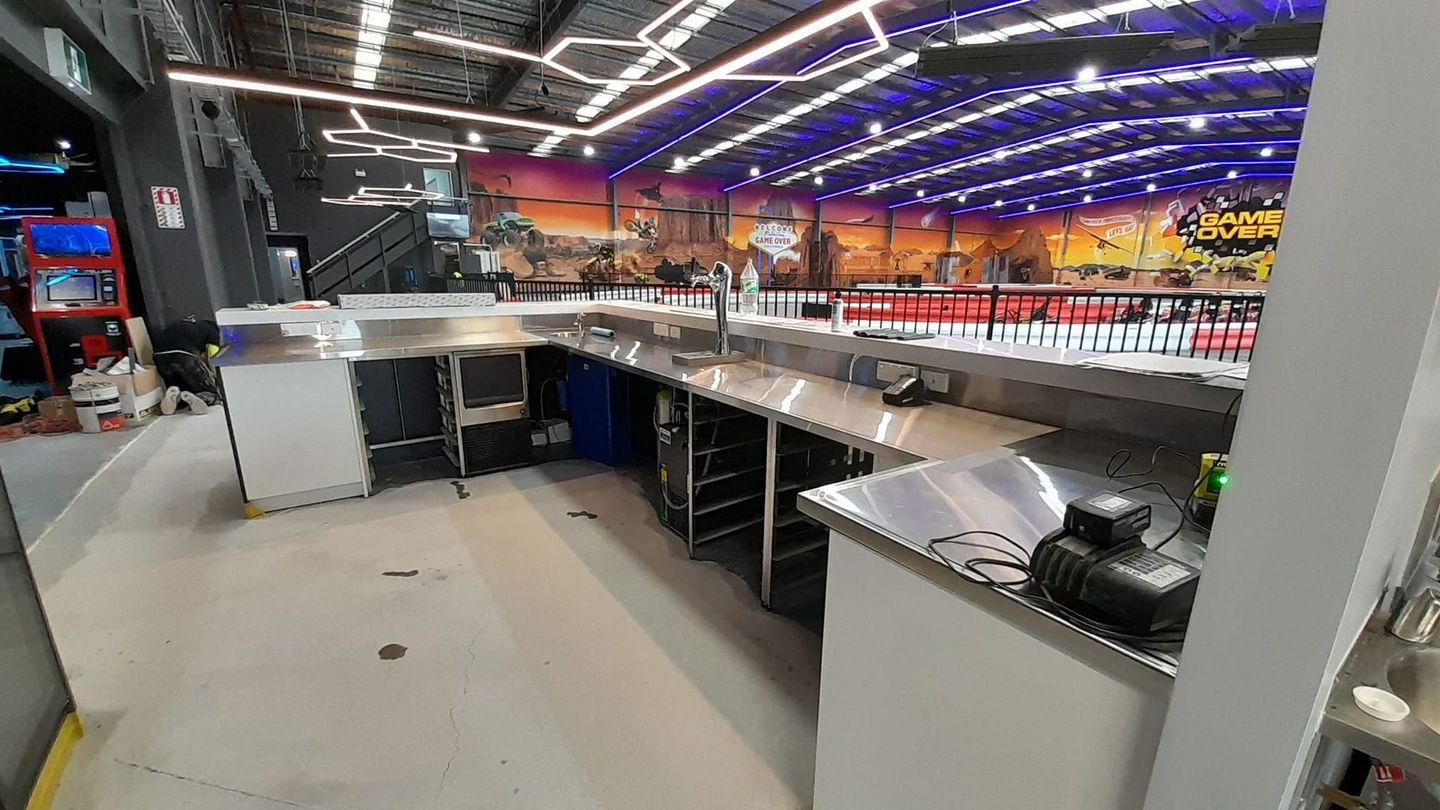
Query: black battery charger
{"x": 1097, "y": 564}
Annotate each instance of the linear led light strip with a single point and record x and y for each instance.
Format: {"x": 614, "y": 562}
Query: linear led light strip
{"x": 549, "y": 58}
{"x": 374, "y": 25}
{"x": 1228, "y": 176}
{"x": 755, "y": 176}
{"x": 949, "y": 167}
{"x": 821, "y": 101}
{"x": 693, "y": 80}
{"x": 1110, "y": 159}
{"x": 684, "y": 30}
{"x": 1116, "y": 181}
{"x": 1160, "y": 74}
{"x": 1165, "y": 75}
{"x": 379, "y": 143}
{"x": 1093, "y": 162}
{"x": 922, "y": 173}
{"x": 814, "y": 70}
{"x": 1057, "y": 22}
{"x": 1049, "y": 138}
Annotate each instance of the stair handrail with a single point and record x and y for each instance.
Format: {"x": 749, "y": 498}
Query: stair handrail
{"x": 345, "y": 248}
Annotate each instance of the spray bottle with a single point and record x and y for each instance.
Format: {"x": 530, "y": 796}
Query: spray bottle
{"x": 749, "y": 289}
{"x": 837, "y": 314}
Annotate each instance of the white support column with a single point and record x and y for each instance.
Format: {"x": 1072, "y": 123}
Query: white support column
{"x": 1336, "y": 441}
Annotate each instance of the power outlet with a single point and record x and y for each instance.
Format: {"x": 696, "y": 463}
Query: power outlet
{"x": 937, "y": 381}
{"x": 890, "y": 372}
{"x": 661, "y": 330}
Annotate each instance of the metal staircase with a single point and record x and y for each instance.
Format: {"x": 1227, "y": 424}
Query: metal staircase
{"x": 360, "y": 265}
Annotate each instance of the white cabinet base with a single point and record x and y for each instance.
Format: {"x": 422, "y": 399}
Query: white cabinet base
{"x": 930, "y": 702}
{"x": 296, "y": 432}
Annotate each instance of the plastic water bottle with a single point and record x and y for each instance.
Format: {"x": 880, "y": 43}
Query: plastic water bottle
{"x": 749, "y": 289}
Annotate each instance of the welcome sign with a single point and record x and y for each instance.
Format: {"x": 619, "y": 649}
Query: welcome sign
{"x": 773, "y": 238}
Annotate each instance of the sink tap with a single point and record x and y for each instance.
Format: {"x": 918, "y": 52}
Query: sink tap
{"x": 1416, "y": 614}
{"x": 718, "y": 280}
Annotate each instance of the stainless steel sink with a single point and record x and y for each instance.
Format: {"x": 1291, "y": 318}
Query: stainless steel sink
{"x": 1414, "y": 675}
{"x": 1409, "y": 670}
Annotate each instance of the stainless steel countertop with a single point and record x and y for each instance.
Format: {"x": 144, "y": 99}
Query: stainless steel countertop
{"x": 843, "y": 411}
{"x": 1408, "y": 743}
{"x": 1019, "y": 491}
{"x": 389, "y": 347}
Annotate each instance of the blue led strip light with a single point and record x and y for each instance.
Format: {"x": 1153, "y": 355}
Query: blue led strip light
{"x": 772, "y": 87}
{"x": 1136, "y": 179}
{"x": 1098, "y": 159}
{"x": 29, "y": 166}
{"x": 1055, "y": 133}
{"x": 982, "y": 96}
{"x": 1076, "y": 203}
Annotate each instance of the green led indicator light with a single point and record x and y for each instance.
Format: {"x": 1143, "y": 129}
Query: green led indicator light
{"x": 1222, "y": 479}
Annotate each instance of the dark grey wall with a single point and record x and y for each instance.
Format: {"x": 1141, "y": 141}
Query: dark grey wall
{"x": 112, "y": 41}
{"x": 148, "y": 135}
{"x": 209, "y": 264}
{"x": 272, "y": 134}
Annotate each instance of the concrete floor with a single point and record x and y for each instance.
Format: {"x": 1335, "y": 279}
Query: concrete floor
{"x": 44, "y": 473}
{"x": 551, "y": 659}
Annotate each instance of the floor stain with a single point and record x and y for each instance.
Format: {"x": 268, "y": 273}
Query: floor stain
{"x": 412, "y": 572}
{"x": 392, "y": 651}
{"x": 584, "y": 514}
{"x": 460, "y": 491}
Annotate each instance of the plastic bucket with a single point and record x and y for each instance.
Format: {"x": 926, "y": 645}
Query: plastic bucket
{"x": 97, "y": 406}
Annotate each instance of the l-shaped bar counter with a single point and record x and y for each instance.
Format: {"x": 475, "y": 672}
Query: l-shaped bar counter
{"x": 932, "y": 687}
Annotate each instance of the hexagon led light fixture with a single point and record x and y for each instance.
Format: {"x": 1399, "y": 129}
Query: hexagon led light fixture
{"x": 549, "y": 59}
{"x": 815, "y": 23}
{"x": 379, "y": 143}
{"x": 382, "y": 197}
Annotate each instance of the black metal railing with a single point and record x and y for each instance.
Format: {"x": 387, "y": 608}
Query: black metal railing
{"x": 1186, "y": 323}
{"x": 363, "y": 263}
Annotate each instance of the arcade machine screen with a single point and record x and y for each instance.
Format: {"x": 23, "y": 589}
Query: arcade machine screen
{"x": 70, "y": 240}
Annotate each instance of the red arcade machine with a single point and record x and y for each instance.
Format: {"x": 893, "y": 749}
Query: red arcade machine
{"x": 69, "y": 294}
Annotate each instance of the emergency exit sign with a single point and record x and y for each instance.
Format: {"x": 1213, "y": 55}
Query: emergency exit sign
{"x": 66, "y": 61}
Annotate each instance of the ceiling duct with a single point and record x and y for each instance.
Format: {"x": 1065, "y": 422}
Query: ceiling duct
{"x": 1068, "y": 55}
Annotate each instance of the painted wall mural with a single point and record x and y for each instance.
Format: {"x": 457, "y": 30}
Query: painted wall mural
{"x": 1217, "y": 236}
{"x": 564, "y": 220}
{"x": 548, "y": 219}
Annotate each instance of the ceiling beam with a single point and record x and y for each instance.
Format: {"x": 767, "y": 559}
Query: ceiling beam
{"x": 557, "y": 16}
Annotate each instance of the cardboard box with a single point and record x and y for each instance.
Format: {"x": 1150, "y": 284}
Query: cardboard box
{"x": 58, "y": 408}
{"x": 140, "y": 390}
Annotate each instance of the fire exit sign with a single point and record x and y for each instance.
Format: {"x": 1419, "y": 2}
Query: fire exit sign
{"x": 66, "y": 61}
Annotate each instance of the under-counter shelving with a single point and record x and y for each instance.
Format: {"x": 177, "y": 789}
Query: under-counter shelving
{"x": 794, "y": 553}
{"x": 729, "y": 481}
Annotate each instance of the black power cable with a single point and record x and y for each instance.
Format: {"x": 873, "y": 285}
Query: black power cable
{"x": 972, "y": 571}
{"x": 1115, "y": 471}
